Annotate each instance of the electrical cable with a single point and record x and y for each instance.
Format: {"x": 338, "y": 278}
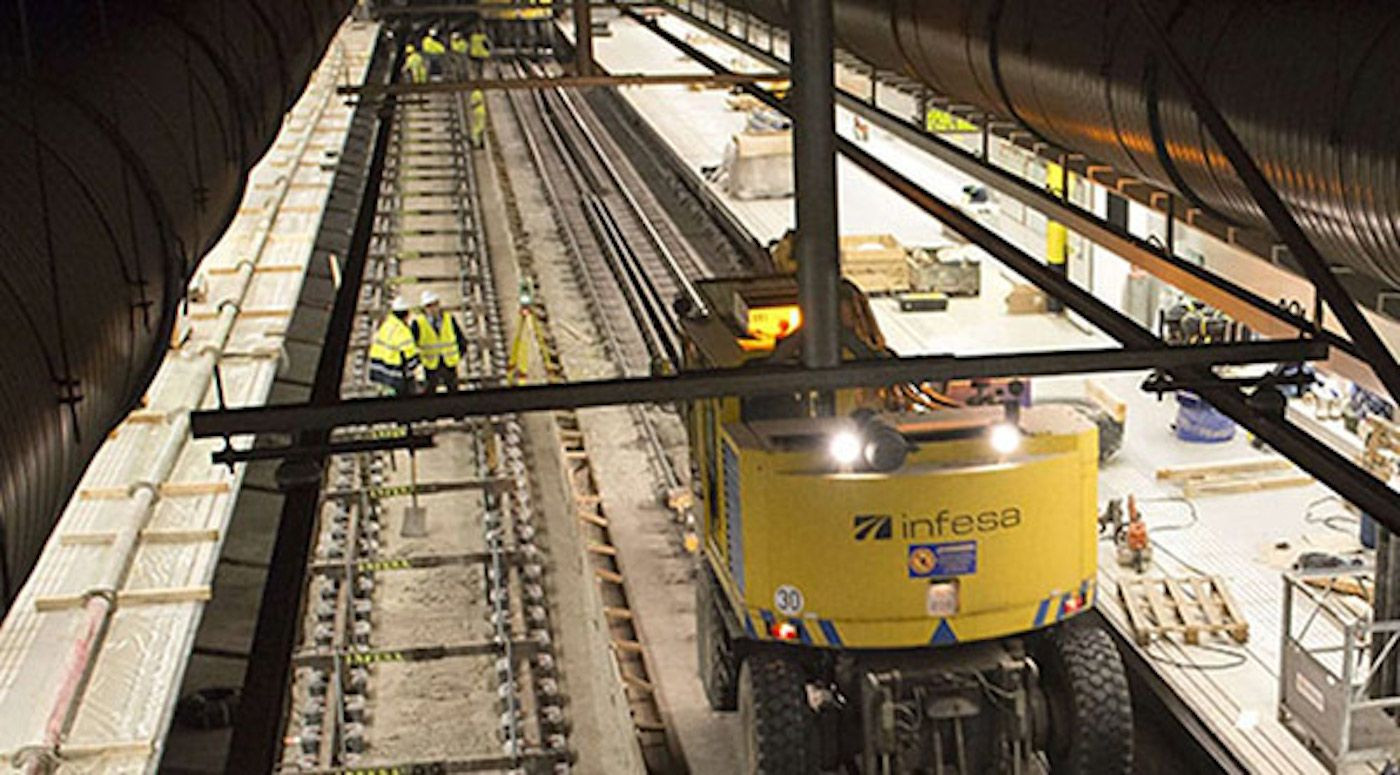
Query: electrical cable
{"x": 1237, "y": 658}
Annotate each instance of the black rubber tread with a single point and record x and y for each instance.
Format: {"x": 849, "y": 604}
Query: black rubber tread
{"x": 777, "y": 719}
{"x": 1092, "y": 712}
{"x": 718, "y": 671}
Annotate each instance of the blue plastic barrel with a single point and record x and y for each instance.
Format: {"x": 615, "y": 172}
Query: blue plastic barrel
{"x": 1199, "y": 422}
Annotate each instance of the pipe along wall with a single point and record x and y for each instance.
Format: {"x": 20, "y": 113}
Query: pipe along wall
{"x": 127, "y": 129}
{"x": 1307, "y": 84}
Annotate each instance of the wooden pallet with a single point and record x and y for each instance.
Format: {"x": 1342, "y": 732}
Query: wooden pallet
{"x": 1186, "y": 606}
{"x": 1252, "y": 475}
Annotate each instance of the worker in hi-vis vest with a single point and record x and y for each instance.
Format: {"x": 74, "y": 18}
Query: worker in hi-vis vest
{"x": 478, "y": 118}
{"x": 440, "y": 342}
{"x": 478, "y": 51}
{"x": 457, "y": 54}
{"x": 434, "y": 51}
{"x": 393, "y": 355}
{"x": 413, "y": 65}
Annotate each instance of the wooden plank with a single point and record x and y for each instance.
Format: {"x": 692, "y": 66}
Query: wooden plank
{"x": 193, "y": 489}
{"x": 619, "y": 614}
{"x": 1239, "y": 626}
{"x": 223, "y": 271}
{"x": 130, "y": 598}
{"x": 602, "y": 549}
{"x": 213, "y": 314}
{"x": 1207, "y": 602}
{"x": 609, "y": 576}
{"x": 1116, "y": 407}
{"x": 1194, "y": 488}
{"x": 1185, "y": 609}
{"x": 1137, "y": 618}
{"x": 194, "y": 536}
{"x": 1166, "y": 617}
{"x": 1247, "y": 466}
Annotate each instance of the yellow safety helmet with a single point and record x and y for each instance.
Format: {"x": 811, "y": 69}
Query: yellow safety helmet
{"x": 409, "y": 49}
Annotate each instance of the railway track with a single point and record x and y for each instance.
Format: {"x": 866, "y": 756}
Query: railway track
{"x": 430, "y": 653}
{"x": 638, "y": 265}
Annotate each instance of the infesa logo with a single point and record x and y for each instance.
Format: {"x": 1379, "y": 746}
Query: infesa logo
{"x": 882, "y": 527}
{"x": 873, "y": 527}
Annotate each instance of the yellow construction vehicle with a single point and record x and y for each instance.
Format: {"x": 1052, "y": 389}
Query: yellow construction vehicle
{"x": 893, "y": 588}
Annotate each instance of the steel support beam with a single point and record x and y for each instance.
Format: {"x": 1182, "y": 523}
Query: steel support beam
{"x": 1312, "y": 455}
{"x": 1377, "y": 355}
{"x": 257, "y": 734}
{"x": 742, "y": 382}
{"x": 814, "y": 160}
{"x": 557, "y": 82}
{"x": 583, "y": 37}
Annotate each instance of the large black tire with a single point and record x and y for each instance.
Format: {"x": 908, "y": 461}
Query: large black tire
{"x": 718, "y": 668}
{"x": 1091, "y": 712}
{"x": 777, "y": 723}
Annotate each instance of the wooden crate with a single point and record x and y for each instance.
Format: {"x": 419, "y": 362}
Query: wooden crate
{"x": 1186, "y": 606}
{"x": 876, "y": 263}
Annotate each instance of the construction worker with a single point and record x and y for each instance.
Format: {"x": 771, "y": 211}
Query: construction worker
{"x": 434, "y": 51}
{"x": 478, "y": 51}
{"x": 478, "y": 118}
{"x": 414, "y": 67}
{"x": 393, "y": 356}
{"x": 439, "y": 340}
{"x": 457, "y": 54}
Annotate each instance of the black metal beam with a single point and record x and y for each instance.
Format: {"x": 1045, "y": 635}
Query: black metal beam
{"x": 1375, "y": 352}
{"x": 257, "y": 735}
{"x": 748, "y": 381}
{"x": 814, "y": 170}
{"x": 583, "y": 37}
{"x": 1326, "y": 464}
{"x": 230, "y": 455}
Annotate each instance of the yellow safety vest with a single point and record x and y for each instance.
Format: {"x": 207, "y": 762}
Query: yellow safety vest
{"x": 479, "y": 46}
{"x": 440, "y": 344}
{"x": 458, "y": 45}
{"x": 416, "y": 68}
{"x": 432, "y": 45}
{"x": 393, "y": 344}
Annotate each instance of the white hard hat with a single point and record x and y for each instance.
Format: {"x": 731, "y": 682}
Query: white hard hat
{"x": 400, "y": 305}
{"x": 429, "y": 298}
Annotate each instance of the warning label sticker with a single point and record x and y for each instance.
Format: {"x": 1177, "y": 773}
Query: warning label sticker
{"x": 955, "y": 558}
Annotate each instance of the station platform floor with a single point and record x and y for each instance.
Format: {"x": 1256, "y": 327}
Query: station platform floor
{"x": 1246, "y": 539}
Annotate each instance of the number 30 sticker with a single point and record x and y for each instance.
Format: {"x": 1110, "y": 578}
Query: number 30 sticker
{"x": 788, "y": 600}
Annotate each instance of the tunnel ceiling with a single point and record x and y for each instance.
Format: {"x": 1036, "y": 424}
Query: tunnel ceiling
{"x": 128, "y": 128}
{"x": 1308, "y": 86}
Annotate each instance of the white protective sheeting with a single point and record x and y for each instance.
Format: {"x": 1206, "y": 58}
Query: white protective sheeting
{"x": 151, "y": 482}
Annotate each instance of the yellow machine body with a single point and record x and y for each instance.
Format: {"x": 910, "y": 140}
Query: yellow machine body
{"x": 960, "y": 543}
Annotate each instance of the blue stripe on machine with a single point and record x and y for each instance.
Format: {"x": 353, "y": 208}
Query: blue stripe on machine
{"x": 1042, "y": 612}
{"x": 767, "y": 623}
{"x": 802, "y": 633}
{"x": 748, "y": 625}
{"x": 829, "y": 631}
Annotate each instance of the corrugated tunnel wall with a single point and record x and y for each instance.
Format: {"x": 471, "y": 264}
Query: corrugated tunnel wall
{"x": 127, "y": 128}
{"x": 1307, "y": 84}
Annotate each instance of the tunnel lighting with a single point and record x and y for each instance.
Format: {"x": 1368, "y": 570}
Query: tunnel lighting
{"x": 1005, "y": 438}
{"x": 845, "y": 448}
